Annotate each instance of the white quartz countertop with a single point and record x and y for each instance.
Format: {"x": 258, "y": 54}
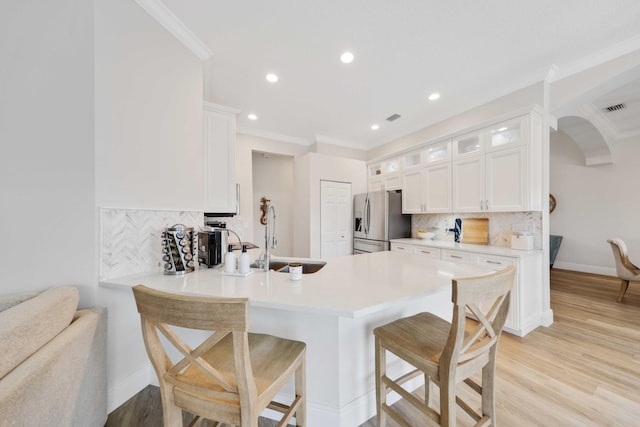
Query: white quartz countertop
{"x": 468, "y": 247}
{"x": 349, "y": 286}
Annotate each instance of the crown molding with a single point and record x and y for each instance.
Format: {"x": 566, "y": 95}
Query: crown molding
{"x": 171, "y": 23}
{"x": 273, "y": 135}
{"x": 210, "y": 106}
{"x": 323, "y": 139}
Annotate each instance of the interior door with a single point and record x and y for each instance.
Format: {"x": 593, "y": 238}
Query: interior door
{"x": 335, "y": 219}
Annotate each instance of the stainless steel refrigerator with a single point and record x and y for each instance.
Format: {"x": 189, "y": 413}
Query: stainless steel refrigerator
{"x": 377, "y": 219}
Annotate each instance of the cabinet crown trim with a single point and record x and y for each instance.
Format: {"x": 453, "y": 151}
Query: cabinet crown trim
{"x": 210, "y": 106}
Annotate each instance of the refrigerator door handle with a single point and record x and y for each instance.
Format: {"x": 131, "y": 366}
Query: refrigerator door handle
{"x": 367, "y": 210}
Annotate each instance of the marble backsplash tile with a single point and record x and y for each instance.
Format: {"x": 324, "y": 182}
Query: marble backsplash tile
{"x": 500, "y": 225}
{"x": 130, "y": 239}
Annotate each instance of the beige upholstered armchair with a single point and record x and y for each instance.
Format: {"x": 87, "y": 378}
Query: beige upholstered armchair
{"x": 625, "y": 269}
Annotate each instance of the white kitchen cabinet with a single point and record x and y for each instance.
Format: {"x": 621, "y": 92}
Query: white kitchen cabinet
{"x": 426, "y": 180}
{"x": 427, "y": 252}
{"x": 412, "y": 191}
{"x": 495, "y": 169}
{"x": 469, "y": 184}
{"x": 457, "y": 256}
{"x": 399, "y": 247}
{"x": 219, "y": 134}
{"x": 498, "y": 263}
{"x": 385, "y": 175}
{"x": 525, "y": 312}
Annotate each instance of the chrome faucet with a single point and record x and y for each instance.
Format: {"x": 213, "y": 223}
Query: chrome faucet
{"x": 270, "y": 240}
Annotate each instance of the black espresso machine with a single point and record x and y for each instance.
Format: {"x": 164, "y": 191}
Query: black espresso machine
{"x": 212, "y": 244}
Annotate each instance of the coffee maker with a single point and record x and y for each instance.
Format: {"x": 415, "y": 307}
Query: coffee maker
{"x": 211, "y": 247}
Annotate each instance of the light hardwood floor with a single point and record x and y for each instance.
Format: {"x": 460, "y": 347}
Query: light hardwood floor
{"x": 584, "y": 370}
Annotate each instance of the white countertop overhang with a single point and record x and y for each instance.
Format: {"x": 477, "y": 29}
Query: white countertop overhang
{"x": 349, "y": 286}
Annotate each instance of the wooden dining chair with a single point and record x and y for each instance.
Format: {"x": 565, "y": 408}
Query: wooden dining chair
{"x": 625, "y": 269}
{"x": 233, "y": 375}
{"x": 447, "y": 354}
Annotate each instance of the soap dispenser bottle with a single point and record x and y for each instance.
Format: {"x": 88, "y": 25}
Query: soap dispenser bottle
{"x": 230, "y": 261}
{"x": 243, "y": 261}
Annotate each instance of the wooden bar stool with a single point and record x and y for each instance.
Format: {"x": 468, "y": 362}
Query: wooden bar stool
{"x": 447, "y": 353}
{"x": 233, "y": 375}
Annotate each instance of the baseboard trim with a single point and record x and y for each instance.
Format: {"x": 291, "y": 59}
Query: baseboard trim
{"x": 127, "y": 388}
{"x": 546, "y": 319}
{"x": 605, "y": 271}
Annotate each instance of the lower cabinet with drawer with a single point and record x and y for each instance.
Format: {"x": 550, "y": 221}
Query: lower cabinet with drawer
{"x": 428, "y": 252}
{"x": 457, "y": 256}
{"x": 525, "y": 305}
{"x": 401, "y": 247}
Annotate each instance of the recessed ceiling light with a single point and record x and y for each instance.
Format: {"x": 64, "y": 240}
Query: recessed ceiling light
{"x": 252, "y": 117}
{"x": 346, "y": 57}
{"x": 434, "y": 96}
{"x": 271, "y": 78}
{"x": 375, "y": 127}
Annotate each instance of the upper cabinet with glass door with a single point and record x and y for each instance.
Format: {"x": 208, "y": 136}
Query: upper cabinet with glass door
{"x": 507, "y": 134}
{"x": 433, "y": 154}
{"x": 470, "y": 144}
{"x": 385, "y": 175}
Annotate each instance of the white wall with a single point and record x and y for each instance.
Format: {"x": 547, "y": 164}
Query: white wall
{"x": 46, "y": 147}
{"x": 148, "y": 113}
{"x": 148, "y": 146}
{"x": 309, "y": 170}
{"x": 246, "y": 145}
{"x": 273, "y": 179}
{"x": 594, "y": 203}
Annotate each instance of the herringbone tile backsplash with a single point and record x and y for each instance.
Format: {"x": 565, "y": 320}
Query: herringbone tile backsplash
{"x": 130, "y": 240}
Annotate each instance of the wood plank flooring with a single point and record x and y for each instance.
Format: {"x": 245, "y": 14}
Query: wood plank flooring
{"x": 584, "y": 370}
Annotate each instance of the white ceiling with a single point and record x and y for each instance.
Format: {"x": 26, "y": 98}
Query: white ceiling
{"x": 469, "y": 51}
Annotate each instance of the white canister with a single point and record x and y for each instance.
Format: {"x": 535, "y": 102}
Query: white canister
{"x": 295, "y": 271}
{"x": 523, "y": 242}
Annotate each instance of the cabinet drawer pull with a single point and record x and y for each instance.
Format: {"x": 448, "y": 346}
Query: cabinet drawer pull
{"x": 456, "y": 256}
{"x": 400, "y": 248}
{"x": 425, "y": 252}
{"x": 494, "y": 262}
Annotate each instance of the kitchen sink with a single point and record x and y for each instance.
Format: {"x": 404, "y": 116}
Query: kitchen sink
{"x": 308, "y": 267}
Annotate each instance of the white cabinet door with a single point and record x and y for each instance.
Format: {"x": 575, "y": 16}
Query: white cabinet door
{"x": 469, "y": 184}
{"x": 470, "y": 144}
{"x": 391, "y": 174}
{"x": 506, "y": 180}
{"x": 498, "y": 263}
{"x": 220, "y": 158}
{"x": 412, "y": 192}
{"x": 427, "y": 251}
{"x": 385, "y": 175}
{"x": 437, "y": 191}
{"x": 401, "y": 247}
{"x": 375, "y": 185}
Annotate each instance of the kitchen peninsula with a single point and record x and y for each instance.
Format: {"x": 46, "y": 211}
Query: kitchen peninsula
{"x": 334, "y": 311}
